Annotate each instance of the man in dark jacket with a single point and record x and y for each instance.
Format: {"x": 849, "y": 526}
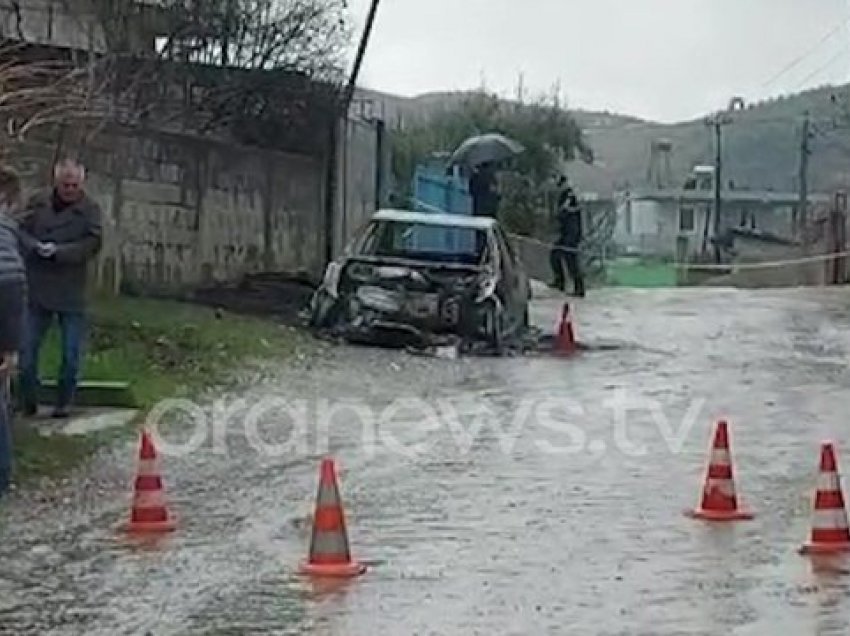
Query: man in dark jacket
{"x": 482, "y": 189}
{"x": 62, "y": 230}
{"x": 12, "y": 303}
{"x": 568, "y": 243}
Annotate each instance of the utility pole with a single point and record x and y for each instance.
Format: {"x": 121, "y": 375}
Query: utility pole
{"x": 805, "y": 152}
{"x": 717, "y": 122}
{"x": 332, "y": 176}
{"x": 361, "y": 53}
{"x": 718, "y": 175}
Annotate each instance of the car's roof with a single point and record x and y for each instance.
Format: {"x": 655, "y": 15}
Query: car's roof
{"x": 428, "y": 218}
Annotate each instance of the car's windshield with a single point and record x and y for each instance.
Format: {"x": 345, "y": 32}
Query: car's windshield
{"x": 425, "y": 242}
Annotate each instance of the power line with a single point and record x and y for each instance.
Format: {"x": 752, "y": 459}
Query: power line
{"x": 793, "y": 64}
{"x": 821, "y": 69}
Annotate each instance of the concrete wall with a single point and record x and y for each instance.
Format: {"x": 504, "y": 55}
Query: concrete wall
{"x": 360, "y": 169}
{"x": 74, "y": 24}
{"x": 792, "y": 266}
{"x": 182, "y": 212}
{"x": 777, "y": 220}
{"x": 50, "y": 22}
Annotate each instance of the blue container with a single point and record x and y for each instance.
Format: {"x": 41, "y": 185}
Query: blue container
{"x": 436, "y": 192}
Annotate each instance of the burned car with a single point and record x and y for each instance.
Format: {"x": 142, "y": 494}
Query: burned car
{"x": 419, "y": 277}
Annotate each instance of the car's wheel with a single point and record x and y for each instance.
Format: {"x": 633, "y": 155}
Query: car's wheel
{"x": 324, "y": 311}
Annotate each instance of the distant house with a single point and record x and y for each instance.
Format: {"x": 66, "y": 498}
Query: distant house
{"x": 651, "y": 222}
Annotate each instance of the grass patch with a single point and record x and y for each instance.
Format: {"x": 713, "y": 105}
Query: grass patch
{"x": 48, "y": 456}
{"x": 641, "y": 274}
{"x": 169, "y": 348}
{"x": 164, "y": 349}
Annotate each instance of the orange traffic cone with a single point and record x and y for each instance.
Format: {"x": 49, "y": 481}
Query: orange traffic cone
{"x": 330, "y": 555}
{"x": 719, "y": 498}
{"x": 149, "y": 513}
{"x": 565, "y": 338}
{"x": 830, "y": 533}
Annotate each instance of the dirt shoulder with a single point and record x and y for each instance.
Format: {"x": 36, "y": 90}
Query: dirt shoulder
{"x": 271, "y": 296}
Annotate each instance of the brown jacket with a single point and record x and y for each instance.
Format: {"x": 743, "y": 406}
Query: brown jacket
{"x": 59, "y": 283}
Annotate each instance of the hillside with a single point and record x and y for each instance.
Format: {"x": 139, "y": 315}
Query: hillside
{"x": 761, "y": 147}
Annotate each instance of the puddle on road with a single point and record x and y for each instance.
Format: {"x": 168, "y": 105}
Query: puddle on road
{"x": 486, "y": 541}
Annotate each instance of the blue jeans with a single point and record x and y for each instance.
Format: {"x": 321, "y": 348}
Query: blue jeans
{"x": 72, "y": 326}
{"x": 5, "y": 437}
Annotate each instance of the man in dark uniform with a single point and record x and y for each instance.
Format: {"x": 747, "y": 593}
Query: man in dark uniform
{"x": 567, "y": 245}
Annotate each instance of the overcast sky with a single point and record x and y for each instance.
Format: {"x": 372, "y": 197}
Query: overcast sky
{"x": 666, "y": 60}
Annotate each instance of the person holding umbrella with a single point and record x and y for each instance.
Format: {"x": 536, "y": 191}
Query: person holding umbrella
{"x": 566, "y": 250}
{"x": 481, "y": 154}
{"x": 482, "y": 189}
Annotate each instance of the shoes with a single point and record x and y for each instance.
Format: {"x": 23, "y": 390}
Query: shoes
{"x": 61, "y": 413}
{"x": 579, "y": 290}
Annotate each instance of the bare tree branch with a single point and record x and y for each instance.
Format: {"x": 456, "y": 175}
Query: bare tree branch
{"x": 264, "y": 72}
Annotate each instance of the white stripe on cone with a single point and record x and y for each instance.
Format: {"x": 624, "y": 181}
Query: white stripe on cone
{"x": 147, "y": 468}
{"x": 724, "y": 486}
{"x": 830, "y": 519}
{"x": 149, "y": 499}
{"x": 720, "y": 457}
{"x": 829, "y": 482}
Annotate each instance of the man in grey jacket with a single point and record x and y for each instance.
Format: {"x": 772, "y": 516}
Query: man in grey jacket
{"x": 12, "y": 302}
{"x": 62, "y": 233}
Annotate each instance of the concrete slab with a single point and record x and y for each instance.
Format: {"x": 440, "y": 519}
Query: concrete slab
{"x": 91, "y": 393}
{"x": 97, "y": 420}
{"x": 83, "y": 421}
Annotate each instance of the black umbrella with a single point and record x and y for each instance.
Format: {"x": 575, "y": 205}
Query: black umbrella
{"x": 489, "y": 148}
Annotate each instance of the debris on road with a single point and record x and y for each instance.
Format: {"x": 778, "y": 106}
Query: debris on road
{"x": 278, "y": 296}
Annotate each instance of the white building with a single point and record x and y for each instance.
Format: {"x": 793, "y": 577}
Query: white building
{"x": 652, "y": 222}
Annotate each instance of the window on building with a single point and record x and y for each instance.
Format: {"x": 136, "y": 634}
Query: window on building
{"x": 687, "y": 220}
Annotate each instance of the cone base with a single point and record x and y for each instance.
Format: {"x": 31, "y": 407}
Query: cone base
{"x": 565, "y": 352}
{"x": 150, "y": 528}
{"x": 825, "y": 548}
{"x": 335, "y": 571}
{"x": 720, "y": 515}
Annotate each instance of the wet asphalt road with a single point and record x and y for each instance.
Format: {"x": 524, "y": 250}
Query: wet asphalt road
{"x": 484, "y": 531}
